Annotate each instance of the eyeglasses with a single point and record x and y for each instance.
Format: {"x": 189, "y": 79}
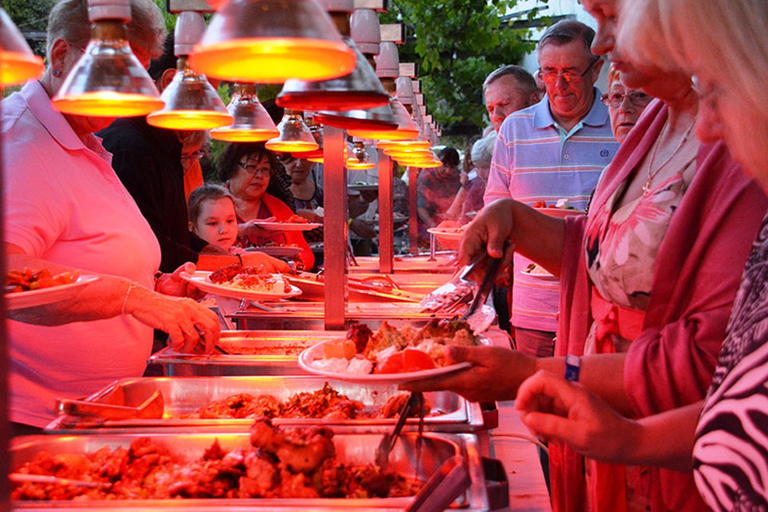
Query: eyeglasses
{"x": 255, "y": 169}
{"x": 550, "y": 77}
{"x": 197, "y": 155}
{"x": 636, "y": 98}
{"x": 708, "y": 93}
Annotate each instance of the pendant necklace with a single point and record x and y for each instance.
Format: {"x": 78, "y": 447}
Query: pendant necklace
{"x": 651, "y": 173}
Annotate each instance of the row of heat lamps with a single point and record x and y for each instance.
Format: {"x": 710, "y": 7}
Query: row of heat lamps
{"x": 324, "y": 57}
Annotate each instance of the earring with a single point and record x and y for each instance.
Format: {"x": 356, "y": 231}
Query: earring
{"x": 56, "y": 72}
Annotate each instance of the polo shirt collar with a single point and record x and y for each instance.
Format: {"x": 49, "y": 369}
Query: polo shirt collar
{"x": 597, "y": 115}
{"x": 54, "y": 121}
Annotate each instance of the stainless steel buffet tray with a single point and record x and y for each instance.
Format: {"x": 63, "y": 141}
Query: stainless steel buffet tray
{"x": 181, "y": 396}
{"x": 310, "y": 316}
{"x": 249, "y": 353}
{"x": 350, "y": 447}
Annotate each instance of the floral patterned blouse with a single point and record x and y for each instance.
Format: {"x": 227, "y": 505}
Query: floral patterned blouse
{"x": 622, "y": 243}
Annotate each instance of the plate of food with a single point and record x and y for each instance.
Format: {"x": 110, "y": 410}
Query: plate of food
{"x": 534, "y": 270}
{"x": 277, "y": 251}
{"x": 240, "y": 282}
{"x": 27, "y": 288}
{"x": 290, "y": 224}
{"x": 448, "y": 233}
{"x": 390, "y": 355}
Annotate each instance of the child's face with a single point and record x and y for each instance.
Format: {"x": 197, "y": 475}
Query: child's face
{"x": 217, "y": 223}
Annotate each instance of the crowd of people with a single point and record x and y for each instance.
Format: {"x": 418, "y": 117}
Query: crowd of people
{"x": 658, "y": 313}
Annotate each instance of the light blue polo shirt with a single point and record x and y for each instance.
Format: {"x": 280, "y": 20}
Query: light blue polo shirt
{"x": 537, "y": 160}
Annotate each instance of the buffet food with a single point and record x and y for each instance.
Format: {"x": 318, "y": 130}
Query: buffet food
{"x": 28, "y": 279}
{"x": 294, "y": 219}
{"x": 325, "y": 403}
{"x": 393, "y": 350}
{"x": 250, "y": 278}
{"x": 278, "y": 463}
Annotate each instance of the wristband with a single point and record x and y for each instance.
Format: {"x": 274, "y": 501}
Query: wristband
{"x": 572, "y": 365}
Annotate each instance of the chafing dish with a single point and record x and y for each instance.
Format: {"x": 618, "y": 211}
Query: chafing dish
{"x": 181, "y": 396}
{"x": 311, "y": 315}
{"x": 350, "y": 447}
{"x": 248, "y": 353}
{"x": 444, "y": 262}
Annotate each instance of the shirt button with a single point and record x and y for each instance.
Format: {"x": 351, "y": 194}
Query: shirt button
{"x": 566, "y": 157}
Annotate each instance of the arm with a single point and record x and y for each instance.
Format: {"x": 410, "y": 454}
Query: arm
{"x": 110, "y": 296}
{"x": 557, "y": 410}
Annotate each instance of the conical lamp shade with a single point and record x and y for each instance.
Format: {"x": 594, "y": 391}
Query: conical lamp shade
{"x": 404, "y": 144}
{"x": 357, "y": 158}
{"x": 191, "y": 103}
{"x": 405, "y": 153}
{"x": 405, "y": 130}
{"x": 378, "y": 119}
{"x": 251, "y": 120}
{"x": 360, "y": 89}
{"x": 271, "y": 41}
{"x": 294, "y": 135}
{"x": 108, "y": 80}
{"x": 17, "y": 62}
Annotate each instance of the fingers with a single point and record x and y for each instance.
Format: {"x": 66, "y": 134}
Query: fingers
{"x": 545, "y": 392}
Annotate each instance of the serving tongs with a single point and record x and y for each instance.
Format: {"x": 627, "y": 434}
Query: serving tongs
{"x": 152, "y": 408}
{"x": 452, "y": 295}
{"x": 415, "y": 400}
{"x": 445, "y": 485}
{"x": 50, "y": 479}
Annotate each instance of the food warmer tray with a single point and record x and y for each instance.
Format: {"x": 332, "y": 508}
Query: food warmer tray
{"x": 249, "y": 353}
{"x": 350, "y": 447}
{"x": 310, "y": 316}
{"x": 184, "y": 395}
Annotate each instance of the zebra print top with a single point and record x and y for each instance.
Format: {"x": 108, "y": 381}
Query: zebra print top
{"x": 730, "y": 457}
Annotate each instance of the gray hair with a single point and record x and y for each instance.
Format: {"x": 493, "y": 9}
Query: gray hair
{"x": 565, "y": 31}
{"x": 482, "y": 151}
{"x": 69, "y": 21}
{"x": 524, "y": 79}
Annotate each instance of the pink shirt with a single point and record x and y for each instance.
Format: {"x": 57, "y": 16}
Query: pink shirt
{"x": 65, "y": 204}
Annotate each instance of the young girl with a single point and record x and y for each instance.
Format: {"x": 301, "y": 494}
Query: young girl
{"x": 212, "y": 217}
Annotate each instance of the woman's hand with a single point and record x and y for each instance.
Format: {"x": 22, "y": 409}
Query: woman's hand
{"x": 268, "y": 264}
{"x": 555, "y": 409}
{"x": 488, "y": 232}
{"x": 496, "y": 373}
{"x": 186, "y": 322}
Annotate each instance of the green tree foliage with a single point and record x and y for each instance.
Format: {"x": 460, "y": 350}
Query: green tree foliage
{"x": 456, "y": 44}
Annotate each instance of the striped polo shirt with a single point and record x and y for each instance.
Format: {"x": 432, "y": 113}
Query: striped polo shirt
{"x": 537, "y": 160}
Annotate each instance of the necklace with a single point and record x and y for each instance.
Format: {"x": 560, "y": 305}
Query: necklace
{"x": 651, "y": 173}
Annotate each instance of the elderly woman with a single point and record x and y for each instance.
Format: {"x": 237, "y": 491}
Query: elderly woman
{"x": 647, "y": 278}
{"x": 624, "y": 104}
{"x": 65, "y": 210}
{"x": 246, "y": 169}
{"x": 469, "y": 199}
{"x": 724, "y": 439}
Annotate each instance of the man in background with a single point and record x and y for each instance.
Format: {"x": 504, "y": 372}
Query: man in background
{"x": 506, "y": 90}
{"x": 555, "y": 149}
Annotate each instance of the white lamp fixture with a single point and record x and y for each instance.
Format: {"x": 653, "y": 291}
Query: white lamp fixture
{"x": 108, "y": 80}
{"x": 191, "y": 102}
{"x": 271, "y": 41}
{"x": 17, "y": 62}
{"x": 251, "y": 120}
{"x": 294, "y": 135}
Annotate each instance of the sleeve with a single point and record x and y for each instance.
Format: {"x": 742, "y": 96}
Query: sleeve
{"x": 35, "y": 200}
{"x": 502, "y": 166}
{"x": 696, "y": 280}
{"x": 142, "y": 176}
{"x": 282, "y": 211}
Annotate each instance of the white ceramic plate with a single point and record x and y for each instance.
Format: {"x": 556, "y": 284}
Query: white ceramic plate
{"x": 316, "y": 351}
{"x": 28, "y": 299}
{"x": 201, "y": 280}
{"x": 278, "y": 251}
{"x": 559, "y": 212}
{"x": 285, "y": 226}
{"x": 447, "y": 233}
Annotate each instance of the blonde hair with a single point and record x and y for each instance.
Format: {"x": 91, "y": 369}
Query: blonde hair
{"x": 639, "y": 36}
{"x": 732, "y": 35}
{"x": 69, "y": 21}
{"x": 613, "y": 75}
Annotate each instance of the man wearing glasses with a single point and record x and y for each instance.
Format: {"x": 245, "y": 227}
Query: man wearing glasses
{"x": 550, "y": 151}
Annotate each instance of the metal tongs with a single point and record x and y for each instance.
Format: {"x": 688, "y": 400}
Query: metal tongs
{"x": 152, "y": 408}
{"x": 445, "y": 485}
{"x": 388, "y": 441}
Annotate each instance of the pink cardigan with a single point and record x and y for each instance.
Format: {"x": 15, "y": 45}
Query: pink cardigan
{"x": 697, "y": 272}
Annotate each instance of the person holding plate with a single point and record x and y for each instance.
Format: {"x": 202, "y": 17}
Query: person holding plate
{"x": 246, "y": 170}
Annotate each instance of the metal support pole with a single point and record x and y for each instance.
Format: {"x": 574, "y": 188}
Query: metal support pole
{"x": 413, "y": 213}
{"x": 336, "y": 216}
{"x": 386, "y": 215}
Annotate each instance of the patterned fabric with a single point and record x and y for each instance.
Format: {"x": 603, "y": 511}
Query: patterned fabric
{"x": 536, "y": 160}
{"x": 436, "y": 195}
{"x": 730, "y": 457}
{"x": 620, "y": 244}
